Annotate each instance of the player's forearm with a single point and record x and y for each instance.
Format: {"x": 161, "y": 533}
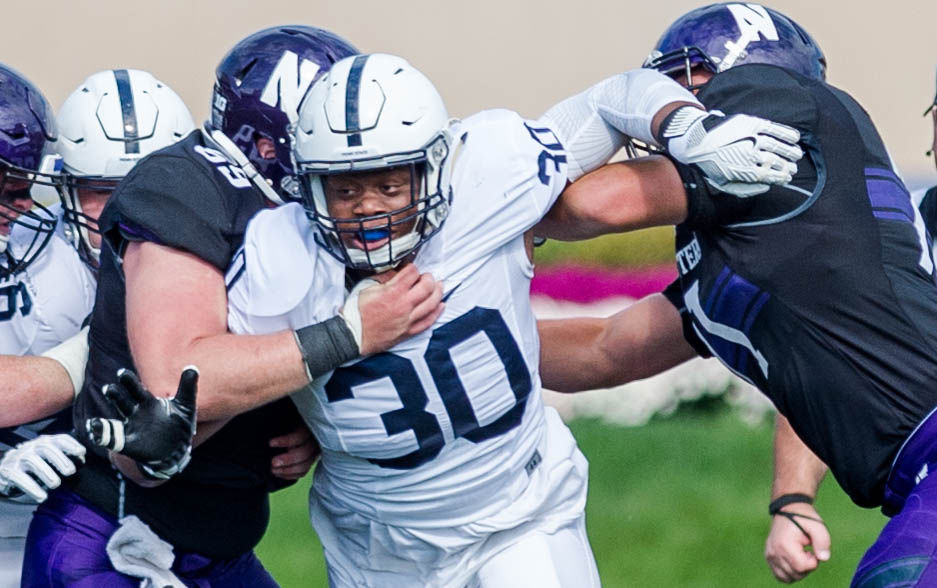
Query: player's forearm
{"x": 797, "y": 470}
{"x": 615, "y": 198}
{"x": 34, "y": 387}
{"x": 242, "y": 372}
{"x": 570, "y": 358}
{"x": 637, "y": 342}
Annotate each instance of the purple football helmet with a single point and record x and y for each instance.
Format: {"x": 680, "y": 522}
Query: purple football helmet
{"x": 720, "y": 36}
{"x": 258, "y": 87}
{"x": 26, "y": 128}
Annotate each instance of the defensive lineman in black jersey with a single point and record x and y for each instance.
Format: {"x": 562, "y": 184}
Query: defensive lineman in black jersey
{"x": 192, "y": 199}
{"x": 821, "y": 293}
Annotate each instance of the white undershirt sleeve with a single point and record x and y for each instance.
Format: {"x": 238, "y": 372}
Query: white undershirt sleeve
{"x": 596, "y": 123}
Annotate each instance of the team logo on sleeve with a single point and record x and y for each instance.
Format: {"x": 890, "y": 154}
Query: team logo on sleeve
{"x": 753, "y": 22}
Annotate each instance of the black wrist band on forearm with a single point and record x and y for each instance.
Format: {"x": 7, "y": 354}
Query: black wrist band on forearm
{"x": 781, "y": 501}
{"x": 326, "y": 345}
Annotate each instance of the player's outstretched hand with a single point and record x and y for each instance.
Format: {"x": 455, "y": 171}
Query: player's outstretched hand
{"x": 389, "y": 312}
{"x": 786, "y": 547}
{"x": 35, "y": 466}
{"x": 155, "y": 432}
{"x": 739, "y": 154}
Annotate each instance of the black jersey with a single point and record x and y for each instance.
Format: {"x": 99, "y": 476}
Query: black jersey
{"x": 821, "y": 293}
{"x": 189, "y": 197}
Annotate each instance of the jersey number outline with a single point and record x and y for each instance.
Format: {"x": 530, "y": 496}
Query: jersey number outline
{"x": 551, "y": 143}
{"x": 403, "y": 375}
{"x": 11, "y": 293}
{"x": 236, "y": 176}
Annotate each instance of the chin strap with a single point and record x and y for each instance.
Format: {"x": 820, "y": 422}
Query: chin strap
{"x": 235, "y": 153}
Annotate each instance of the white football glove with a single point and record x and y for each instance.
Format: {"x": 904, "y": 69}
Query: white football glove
{"x": 352, "y": 313}
{"x": 37, "y": 465}
{"x": 738, "y": 154}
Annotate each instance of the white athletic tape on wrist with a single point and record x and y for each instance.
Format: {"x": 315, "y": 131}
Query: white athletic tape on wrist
{"x": 72, "y": 354}
{"x": 352, "y": 314}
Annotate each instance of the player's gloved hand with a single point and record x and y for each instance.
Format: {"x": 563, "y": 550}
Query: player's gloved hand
{"x": 35, "y": 466}
{"x": 787, "y": 543}
{"x": 738, "y": 154}
{"x": 155, "y": 432}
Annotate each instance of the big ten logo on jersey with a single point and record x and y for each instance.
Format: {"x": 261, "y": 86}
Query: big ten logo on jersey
{"x": 463, "y": 398}
{"x": 753, "y": 21}
{"x": 689, "y": 256}
{"x": 232, "y": 172}
{"x": 547, "y": 138}
{"x": 288, "y": 83}
{"x": 13, "y": 298}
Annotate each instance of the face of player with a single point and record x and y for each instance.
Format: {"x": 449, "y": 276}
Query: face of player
{"x": 14, "y": 200}
{"x": 92, "y": 202}
{"x": 378, "y": 201}
{"x": 700, "y": 76}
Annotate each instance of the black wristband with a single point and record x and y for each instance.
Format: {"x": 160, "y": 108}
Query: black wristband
{"x": 326, "y": 345}
{"x": 781, "y": 501}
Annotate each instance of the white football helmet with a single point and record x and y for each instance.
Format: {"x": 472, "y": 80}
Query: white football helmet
{"x": 369, "y": 113}
{"x": 110, "y": 122}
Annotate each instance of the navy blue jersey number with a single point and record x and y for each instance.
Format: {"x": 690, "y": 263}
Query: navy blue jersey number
{"x": 11, "y": 294}
{"x": 403, "y": 375}
{"x": 548, "y": 139}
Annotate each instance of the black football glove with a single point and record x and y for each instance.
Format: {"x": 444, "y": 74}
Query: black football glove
{"x": 155, "y": 432}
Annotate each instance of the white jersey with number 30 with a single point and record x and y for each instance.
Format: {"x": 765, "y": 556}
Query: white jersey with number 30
{"x": 447, "y": 427}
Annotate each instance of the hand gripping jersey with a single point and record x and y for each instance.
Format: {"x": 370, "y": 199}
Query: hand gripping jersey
{"x": 446, "y": 427}
{"x": 821, "y": 293}
{"x": 188, "y": 196}
{"x": 40, "y": 307}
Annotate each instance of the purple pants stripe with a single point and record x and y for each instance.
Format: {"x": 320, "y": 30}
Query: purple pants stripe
{"x": 905, "y": 553}
{"x": 66, "y": 547}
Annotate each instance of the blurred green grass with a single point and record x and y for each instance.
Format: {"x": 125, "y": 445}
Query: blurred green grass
{"x": 648, "y": 247}
{"x": 679, "y": 502}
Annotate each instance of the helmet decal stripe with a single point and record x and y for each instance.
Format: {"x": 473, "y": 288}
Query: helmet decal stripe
{"x": 131, "y": 136}
{"x": 351, "y": 100}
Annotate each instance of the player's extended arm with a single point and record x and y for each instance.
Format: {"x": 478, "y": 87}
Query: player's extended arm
{"x": 588, "y": 353}
{"x": 177, "y": 316}
{"x": 618, "y": 197}
{"x": 797, "y": 476}
{"x": 739, "y": 154}
{"x": 34, "y": 387}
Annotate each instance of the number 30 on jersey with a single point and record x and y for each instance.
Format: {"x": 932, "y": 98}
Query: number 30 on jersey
{"x": 413, "y": 416}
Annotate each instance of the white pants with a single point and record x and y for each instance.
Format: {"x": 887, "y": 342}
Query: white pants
{"x": 539, "y": 541}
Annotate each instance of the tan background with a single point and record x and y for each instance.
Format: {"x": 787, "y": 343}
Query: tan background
{"x": 524, "y": 55}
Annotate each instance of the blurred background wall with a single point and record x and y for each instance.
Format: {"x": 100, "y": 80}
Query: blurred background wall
{"x": 520, "y": 54}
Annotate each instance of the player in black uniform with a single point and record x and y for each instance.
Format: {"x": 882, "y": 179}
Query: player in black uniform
{"x": 821, "y": 293}
{"x": 170, "y": 229}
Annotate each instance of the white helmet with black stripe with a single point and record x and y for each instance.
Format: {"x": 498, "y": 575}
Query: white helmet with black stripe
{"x": 372, "y": 113}
{"x": 111, "y": 121}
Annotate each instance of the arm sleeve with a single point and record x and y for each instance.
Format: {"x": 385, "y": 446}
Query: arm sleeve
{"x": 594, "y": 124}
{"x": 171, "y": 201}
{"x": 674, "y": 294}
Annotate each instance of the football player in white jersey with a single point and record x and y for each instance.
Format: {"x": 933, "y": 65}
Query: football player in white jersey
{"x": 441, "y": 466}
{"x": 105, "y": 126}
